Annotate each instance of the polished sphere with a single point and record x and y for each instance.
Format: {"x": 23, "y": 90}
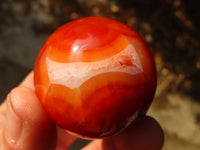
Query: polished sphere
{"x": 94, "y": 76}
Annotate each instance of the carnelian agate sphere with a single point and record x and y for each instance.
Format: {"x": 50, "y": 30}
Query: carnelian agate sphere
{"x": 94, "y": 76}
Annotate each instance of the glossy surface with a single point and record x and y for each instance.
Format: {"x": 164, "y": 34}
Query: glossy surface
{"x": 94, "y": 76}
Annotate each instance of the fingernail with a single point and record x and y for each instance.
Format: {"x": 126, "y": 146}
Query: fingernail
{"x": 14, "y": 124}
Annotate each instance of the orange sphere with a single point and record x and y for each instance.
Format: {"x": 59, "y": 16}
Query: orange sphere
{"x": 94, "y": 76}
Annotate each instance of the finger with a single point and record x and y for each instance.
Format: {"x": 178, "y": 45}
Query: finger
{"x": 64, "y": 139}
{"x": 28, "y": 81}
{"x": 145, "y": 134}
{"x": 3, "y": 109}
{"x": 27, "y": 126}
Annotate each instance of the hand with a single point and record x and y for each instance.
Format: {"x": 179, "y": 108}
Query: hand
{"x": 25, "y": 126}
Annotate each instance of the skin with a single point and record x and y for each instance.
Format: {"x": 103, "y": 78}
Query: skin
{"x": 25, "y": 126}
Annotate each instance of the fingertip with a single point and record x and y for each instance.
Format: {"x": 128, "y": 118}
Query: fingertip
{"x": 25, "y": 103}
{"x": 155, "y": 132}
{"x": 28, "y": 81}
{"x": 144, "y": 134}
{"x": 29, "y": 126}
{"x": 64, "y": 139}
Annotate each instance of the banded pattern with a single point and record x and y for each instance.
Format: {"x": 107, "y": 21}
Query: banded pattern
{"x": 94, "y": 76}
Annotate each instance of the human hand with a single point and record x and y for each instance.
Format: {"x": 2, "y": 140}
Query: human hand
{"x": 25, "y": 126}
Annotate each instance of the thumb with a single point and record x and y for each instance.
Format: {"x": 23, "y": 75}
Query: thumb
{"x": 27, "y": 127}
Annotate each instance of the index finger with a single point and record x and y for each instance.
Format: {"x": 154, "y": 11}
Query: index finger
{"x": 28, "y": 81}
